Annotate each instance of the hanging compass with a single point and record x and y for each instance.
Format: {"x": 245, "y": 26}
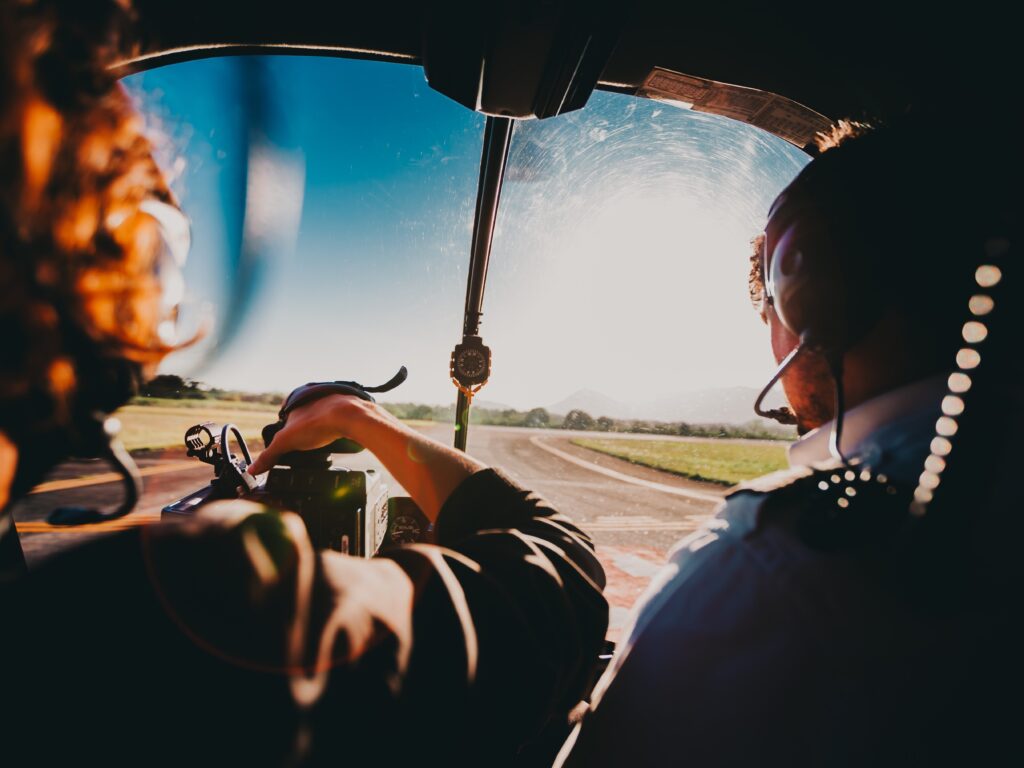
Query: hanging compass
{"x": 471, "y": 362}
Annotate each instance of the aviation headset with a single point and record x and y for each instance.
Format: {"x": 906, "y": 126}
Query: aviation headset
{"x": 848, "y": 240}
{"x": 831, "y": 252}
{"x": 818, "y": 274}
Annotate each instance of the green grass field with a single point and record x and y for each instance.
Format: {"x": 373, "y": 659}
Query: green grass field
{"x": 233, "y": 405}
{"x": 161, "y": 423}
{"x": 723, "y": 462}
{"x": 161, "y": 426}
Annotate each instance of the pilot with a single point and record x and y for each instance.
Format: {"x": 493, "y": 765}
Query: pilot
{"x": 810, "y": 622}
{"x": 230, "y": 640}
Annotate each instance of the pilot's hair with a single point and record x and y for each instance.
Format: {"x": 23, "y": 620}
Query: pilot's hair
{"x": 77, "y": 278}
{"x": 841, "y": 132}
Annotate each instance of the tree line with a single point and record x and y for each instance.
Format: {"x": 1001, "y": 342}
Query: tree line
{"x": 177, "y": 388}
{"x": 581, "y": 420}
{"x": 171, "y": 387}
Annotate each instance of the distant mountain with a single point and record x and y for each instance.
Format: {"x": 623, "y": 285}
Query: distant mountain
{"x": 725, "y": 405}
{"x": 594, "y": 403}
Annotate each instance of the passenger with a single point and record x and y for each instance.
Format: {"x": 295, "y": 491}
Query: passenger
{"x": 808, "y": 624}
{"x": 231, "y": 641}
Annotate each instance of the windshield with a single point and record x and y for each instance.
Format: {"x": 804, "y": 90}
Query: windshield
{"x": 360, "y": 187}
{"x": 619, "y": 273}
{"x": 368, "y": 184}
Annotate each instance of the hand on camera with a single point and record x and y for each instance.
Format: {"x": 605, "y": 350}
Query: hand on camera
{"x": 312, "y": 426}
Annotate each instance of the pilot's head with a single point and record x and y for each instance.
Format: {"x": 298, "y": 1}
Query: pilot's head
{"x": 84, "y": 212}
{"x": 883, "y": 226}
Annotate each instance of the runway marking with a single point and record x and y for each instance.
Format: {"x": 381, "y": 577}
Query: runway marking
{"x": 660, "y": 487}
{"x": 605, "y": 528}
{"x": 548, "y": 482}
{"x": 627, "y": 523}
{"x": 629, "y": 572}
{"x": 121, "y": 524}
{"x": 637, "y": 566}
{"x": 112, "y": 477}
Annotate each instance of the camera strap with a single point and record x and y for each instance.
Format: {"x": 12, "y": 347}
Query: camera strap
{"x": 315, "y": 390}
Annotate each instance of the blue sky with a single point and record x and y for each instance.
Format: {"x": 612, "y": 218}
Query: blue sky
{"x": 620, "y": 253}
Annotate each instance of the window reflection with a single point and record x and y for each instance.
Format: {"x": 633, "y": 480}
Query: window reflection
{"x": 373, "y": 278}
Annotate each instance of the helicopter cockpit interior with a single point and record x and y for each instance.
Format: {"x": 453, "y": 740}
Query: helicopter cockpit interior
{"x": 543, "y": 210}
{"x": 534, "y": 231}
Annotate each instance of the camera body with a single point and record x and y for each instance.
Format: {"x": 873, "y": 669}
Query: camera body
{"x": 346, "y": 510}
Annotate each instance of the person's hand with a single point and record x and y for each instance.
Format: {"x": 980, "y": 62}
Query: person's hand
{"x": 426, "y": 469}
{"x": 311, "y": 426}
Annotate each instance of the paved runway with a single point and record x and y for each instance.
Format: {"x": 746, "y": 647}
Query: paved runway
{"x": 634, "y": 514}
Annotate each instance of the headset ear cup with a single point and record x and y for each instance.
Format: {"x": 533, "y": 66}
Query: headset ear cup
{"x": 815, "y": 308}
{"x": 805, "y": 301}
{"x": 821, "y": 292}
{"x": 787, "y": 282}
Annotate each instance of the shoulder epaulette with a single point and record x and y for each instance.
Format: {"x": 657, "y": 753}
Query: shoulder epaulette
{"x": 773, "y": 481}
{"x": 831, "y": 504}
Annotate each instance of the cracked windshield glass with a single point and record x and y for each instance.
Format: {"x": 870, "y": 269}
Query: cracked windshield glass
{"x": 331, "y": 205}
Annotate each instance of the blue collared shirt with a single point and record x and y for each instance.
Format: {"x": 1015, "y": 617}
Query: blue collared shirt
{"x": 750, "y": 647}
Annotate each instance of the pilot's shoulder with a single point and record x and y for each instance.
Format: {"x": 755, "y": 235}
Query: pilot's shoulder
{"x": 773, "y": 481}
{"x": 718, "y": 564}
{"x": 759, "y": 520}
{"x": 738, "y": 514}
